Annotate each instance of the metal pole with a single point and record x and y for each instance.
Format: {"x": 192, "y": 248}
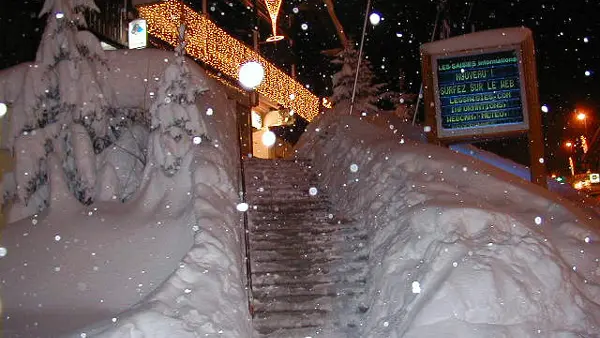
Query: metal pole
{"x": 360, "y": 51}
{"x": 242, "y": 197}
{"x": 437, "y": 18}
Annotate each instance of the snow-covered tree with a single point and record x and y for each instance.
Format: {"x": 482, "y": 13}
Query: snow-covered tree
{"x": 343, "y": 82}
{"x": 66, "y": 105}
{"x": 398, "y": 101}
{"x": 176, "y": 122}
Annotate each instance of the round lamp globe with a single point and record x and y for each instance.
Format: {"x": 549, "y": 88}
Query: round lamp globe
{"x": 251, "y": 74}
{"x": 268, "y": 138}
{"x": 3, "y": 109}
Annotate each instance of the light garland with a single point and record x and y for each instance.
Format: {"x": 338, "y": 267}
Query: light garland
{"x": 213, "y": 46}
{"x": 273, "y": 7}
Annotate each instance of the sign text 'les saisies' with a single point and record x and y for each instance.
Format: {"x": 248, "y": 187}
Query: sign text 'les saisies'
{"x": 480, "y": 90}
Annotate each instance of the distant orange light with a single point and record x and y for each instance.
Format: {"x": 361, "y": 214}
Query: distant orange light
{"x": 568, "y": 144}
{"x": 581, "y": 116}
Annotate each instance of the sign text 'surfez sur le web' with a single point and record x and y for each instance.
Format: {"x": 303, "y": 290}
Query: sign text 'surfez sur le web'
{"x": 478, "y": 84}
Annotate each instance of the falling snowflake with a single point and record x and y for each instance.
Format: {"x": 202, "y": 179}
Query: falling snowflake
{"x": 312, "y": 191}
{"x": 57, "y": 238}
{"x": 243, "y": 207}
{"x": 416, "y": 287}
{"x": 3, "y": 251}
{"x": 538, "y": 220}
{"x": 354, "y": 167}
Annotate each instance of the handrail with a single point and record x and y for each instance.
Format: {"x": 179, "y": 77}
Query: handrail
{"x": 242, "y": 197}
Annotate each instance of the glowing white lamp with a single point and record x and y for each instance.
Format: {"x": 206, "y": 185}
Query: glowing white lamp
{"x": 251, "y": 74}
{"x": 268, "y": 138}
{"x": 3, "y": 109}
{"x": 375, "y": 18}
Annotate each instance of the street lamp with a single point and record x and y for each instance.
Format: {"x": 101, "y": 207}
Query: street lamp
{"x": 581, "y": 116}
{"x": 569, "y": 146}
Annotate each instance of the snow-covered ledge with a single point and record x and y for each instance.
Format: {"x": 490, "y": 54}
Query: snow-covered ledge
{"x": 458, "y": 247}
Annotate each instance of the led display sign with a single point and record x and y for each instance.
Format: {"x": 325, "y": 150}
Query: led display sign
{"x": 480, "y": 90}
{"x": 479, "y": 93}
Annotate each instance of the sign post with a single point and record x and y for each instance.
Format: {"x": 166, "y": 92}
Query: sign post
{"x": 482, "y": 86}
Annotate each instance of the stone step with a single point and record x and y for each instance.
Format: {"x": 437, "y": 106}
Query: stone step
{"x": 306, "y": 332}
{"x": 290, "y": 204}
{"x": 310, "y": 236}
{"x": 350, "y": 248}
{"x": 297, "y": 262}
{"x": 325, "y": 289}
{"x": 285, "y": 255}
{"x": 319, "y": 276}
{"x": 269, "y": 323}
{"x": 296, "y": 196}
{"x": 265, "y": 217}
{"x": 325, "y": 303}
{"x": 271, "y": 243}
{"x": 302, "y": 303}
{"x": 307, "y": 267}
{"x": 308, "y": 226}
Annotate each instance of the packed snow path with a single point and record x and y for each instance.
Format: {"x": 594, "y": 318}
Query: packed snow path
{"x": 308, "y": 265}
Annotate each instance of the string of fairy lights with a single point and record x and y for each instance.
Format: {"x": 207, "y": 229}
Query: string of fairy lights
{"x": 213, "y": 46}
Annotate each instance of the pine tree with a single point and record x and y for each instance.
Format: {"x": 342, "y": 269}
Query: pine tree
{"x": 176, "y": 122}
{"x": 401, "y": 102}
{"x": 343, "y": 81}
{"x": 63, "y": 88}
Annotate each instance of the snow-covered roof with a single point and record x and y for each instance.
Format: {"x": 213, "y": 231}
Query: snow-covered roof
{"x": 214, "y": 47}
{"x": 499, "y": 38}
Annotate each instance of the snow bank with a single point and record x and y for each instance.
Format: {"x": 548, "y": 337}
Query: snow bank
{"x": 166, "y": 263}
{"x": 459, "y": 248}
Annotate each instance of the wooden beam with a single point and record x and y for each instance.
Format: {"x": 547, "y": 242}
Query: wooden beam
{"x": 341, "y": 33}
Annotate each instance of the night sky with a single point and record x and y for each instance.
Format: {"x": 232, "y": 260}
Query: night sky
{"x": 567, "y": 37}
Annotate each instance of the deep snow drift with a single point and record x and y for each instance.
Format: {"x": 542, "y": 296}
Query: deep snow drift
{"x": 460, "y": 248}
{"x": 166, "y": 263}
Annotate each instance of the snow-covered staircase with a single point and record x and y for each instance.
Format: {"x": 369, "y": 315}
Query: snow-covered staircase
{"x": 308, "y": 265}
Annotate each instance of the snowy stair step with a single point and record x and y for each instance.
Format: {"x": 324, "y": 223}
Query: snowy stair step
{"x": 260, "y": 279}
{"x": 274, "y": 321}
{"x": 307, "y": 267}
{"x": 258, "y": 258}
{"x": 309, "y": 238}
{"x": 306, "y": 332}
{"x": 294, "y": 229}
{"x": 324, "y": 289}
{"x": 326, "y": 303}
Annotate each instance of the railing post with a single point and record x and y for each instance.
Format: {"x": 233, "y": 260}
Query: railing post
{"x": 242, "y": 125}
